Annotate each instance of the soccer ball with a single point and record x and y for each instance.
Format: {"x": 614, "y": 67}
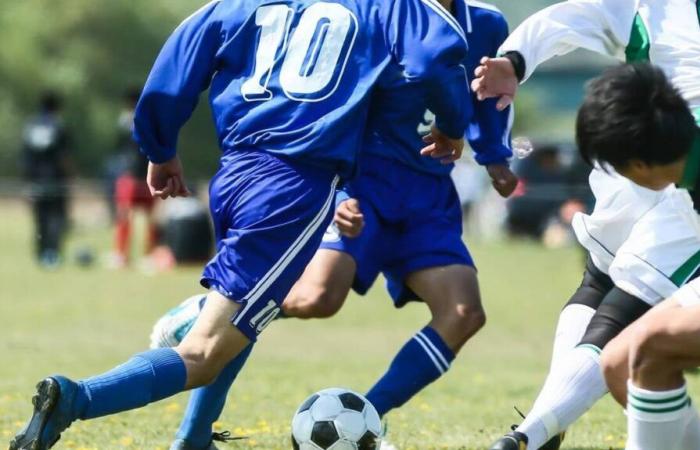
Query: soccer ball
{"x": 171, "y": 329}
{"x": 336, "y": 419}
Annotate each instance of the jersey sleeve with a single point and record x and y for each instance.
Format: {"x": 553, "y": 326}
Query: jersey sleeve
{"x": 429, "y": 45}
{"x": 602, "y": 26}
{"x": 489, "y": 131}
{"x": 183, "y": 69}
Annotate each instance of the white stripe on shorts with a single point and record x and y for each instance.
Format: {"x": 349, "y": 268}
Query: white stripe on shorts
{"x": 279, "y": 267}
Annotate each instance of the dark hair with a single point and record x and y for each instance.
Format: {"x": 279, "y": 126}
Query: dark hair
{"x": 50, "y": 102}
{"x": 633, "y": 112}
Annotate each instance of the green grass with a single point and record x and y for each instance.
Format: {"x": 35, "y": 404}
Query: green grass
{"x": 79, "y": 322}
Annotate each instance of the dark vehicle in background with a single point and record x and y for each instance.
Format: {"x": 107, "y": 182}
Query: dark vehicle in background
{"x": 553, "y": 186}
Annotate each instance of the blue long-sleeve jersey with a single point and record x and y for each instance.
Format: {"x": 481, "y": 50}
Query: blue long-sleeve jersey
{"x": 294, "y": 77}
{"x": 399, "y": 118}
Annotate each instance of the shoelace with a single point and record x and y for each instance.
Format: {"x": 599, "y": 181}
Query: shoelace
{"x": 520, "y": 413}
{"x": 225, "y": 436}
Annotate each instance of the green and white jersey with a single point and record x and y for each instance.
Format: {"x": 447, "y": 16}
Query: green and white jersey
{"x": 665, "y": 32}
{"x": 647, "y": 241}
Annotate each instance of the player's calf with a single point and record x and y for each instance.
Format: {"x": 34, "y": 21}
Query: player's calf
{"x": 615, "y": 366}
{"x": 212, "y": 342}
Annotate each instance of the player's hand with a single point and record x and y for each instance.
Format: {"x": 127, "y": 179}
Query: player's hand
{"x": 495, "y": 77}
{"x": 503, "y": 180}
{"x": 349, "y": 219}
{"x": 167, "y": 179}
{"x": 442, "y": 147}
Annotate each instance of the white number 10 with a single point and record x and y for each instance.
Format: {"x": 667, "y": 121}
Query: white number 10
{"x": 315, "y": 55}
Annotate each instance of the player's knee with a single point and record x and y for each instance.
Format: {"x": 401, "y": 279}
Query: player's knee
{"x": 645, "y": 353}
{"x": 466, "y": 318}
{"x": 203, "y": 362}
{"x": 614, "y": 361}
{"x": 313, "y": 302}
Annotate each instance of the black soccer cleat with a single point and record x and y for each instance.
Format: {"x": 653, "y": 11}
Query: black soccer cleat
{"x": 52, "y": 404}
{"x": 514, "y": 440}
{"x": 555, "y": 442}
{"x": 44, "y": 401}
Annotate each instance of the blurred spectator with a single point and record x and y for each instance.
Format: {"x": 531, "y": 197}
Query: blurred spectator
{"x": 130, "y": 189}
{"x": 471, "y": 182}
{"x": 553, "y": 186}
{"x": 46, "y": 167}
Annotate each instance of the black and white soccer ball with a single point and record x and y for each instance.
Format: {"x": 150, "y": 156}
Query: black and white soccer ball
{"x": 336, "y": 419}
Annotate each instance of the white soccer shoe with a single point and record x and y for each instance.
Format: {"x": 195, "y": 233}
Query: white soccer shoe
{"x": 170, "y": 329}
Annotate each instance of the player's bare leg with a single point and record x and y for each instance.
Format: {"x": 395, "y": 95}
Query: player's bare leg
{"x": 656, "y": 350}
{"x": 212, "y": 342}
{"x": 452, "y": 294}
{"x": 323, "y": 287}
{"x": 615, "y": 358}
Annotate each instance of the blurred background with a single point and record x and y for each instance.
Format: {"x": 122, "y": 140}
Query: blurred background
{"x": 72, "y": 198}
{"x": 68, "y": 81}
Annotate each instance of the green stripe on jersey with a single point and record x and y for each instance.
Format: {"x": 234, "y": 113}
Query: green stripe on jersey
{"x": 639, "y": 44}
{"x": 684, "y": 272}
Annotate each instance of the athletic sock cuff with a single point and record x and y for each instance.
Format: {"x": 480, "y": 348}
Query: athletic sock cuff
{"x": 656, "y": 406}
{"x": 433, "y": 344}
{"x": 168, "y": 368}
{"x": 594, "y": 349}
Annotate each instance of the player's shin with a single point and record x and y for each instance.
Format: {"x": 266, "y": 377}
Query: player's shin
{"x": 206, "y": 404}
{"x": 571, "y": 388}
{"x": 422, "y": 360}
{"x": 573, "y": 321}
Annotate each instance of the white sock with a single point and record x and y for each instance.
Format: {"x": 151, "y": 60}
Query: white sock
{"x": 657, "y": 420}
{"x": 691, "y": 436}
{"x": 571, "y": 388}
{"x": 573, "y": 322}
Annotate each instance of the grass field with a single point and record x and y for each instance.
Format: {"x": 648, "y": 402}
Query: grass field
{"x": 79, "y": 322}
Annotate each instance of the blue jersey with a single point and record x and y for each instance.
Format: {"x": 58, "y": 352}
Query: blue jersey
{"x": 294, "y": 77}
{"x": 399, "y": 118}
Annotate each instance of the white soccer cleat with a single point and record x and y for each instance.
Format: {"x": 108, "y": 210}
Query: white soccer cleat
{"x": 170, "y": 329}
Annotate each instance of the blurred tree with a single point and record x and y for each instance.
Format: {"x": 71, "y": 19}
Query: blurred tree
{"x": 90, "y": 51}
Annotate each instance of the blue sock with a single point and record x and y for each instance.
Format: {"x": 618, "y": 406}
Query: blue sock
{"x": 206, "y": 404}
{"x": 422, "y": 360}
{"x": 146, "y": 378}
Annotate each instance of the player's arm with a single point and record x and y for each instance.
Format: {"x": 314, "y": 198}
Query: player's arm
{"x": 183, "y": 69}
{"x": 430, "y": 46}
{"x": 348, "y": 215}
{"x": 602, "y": 26}
{"x": 489, "y": 132}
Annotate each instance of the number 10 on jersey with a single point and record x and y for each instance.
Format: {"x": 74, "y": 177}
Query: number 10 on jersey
{"x": 311, "y": 59}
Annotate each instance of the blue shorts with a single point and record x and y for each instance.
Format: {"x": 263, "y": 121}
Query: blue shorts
{"x": 413, "y": 221}
{"x": 269, "y": 217}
